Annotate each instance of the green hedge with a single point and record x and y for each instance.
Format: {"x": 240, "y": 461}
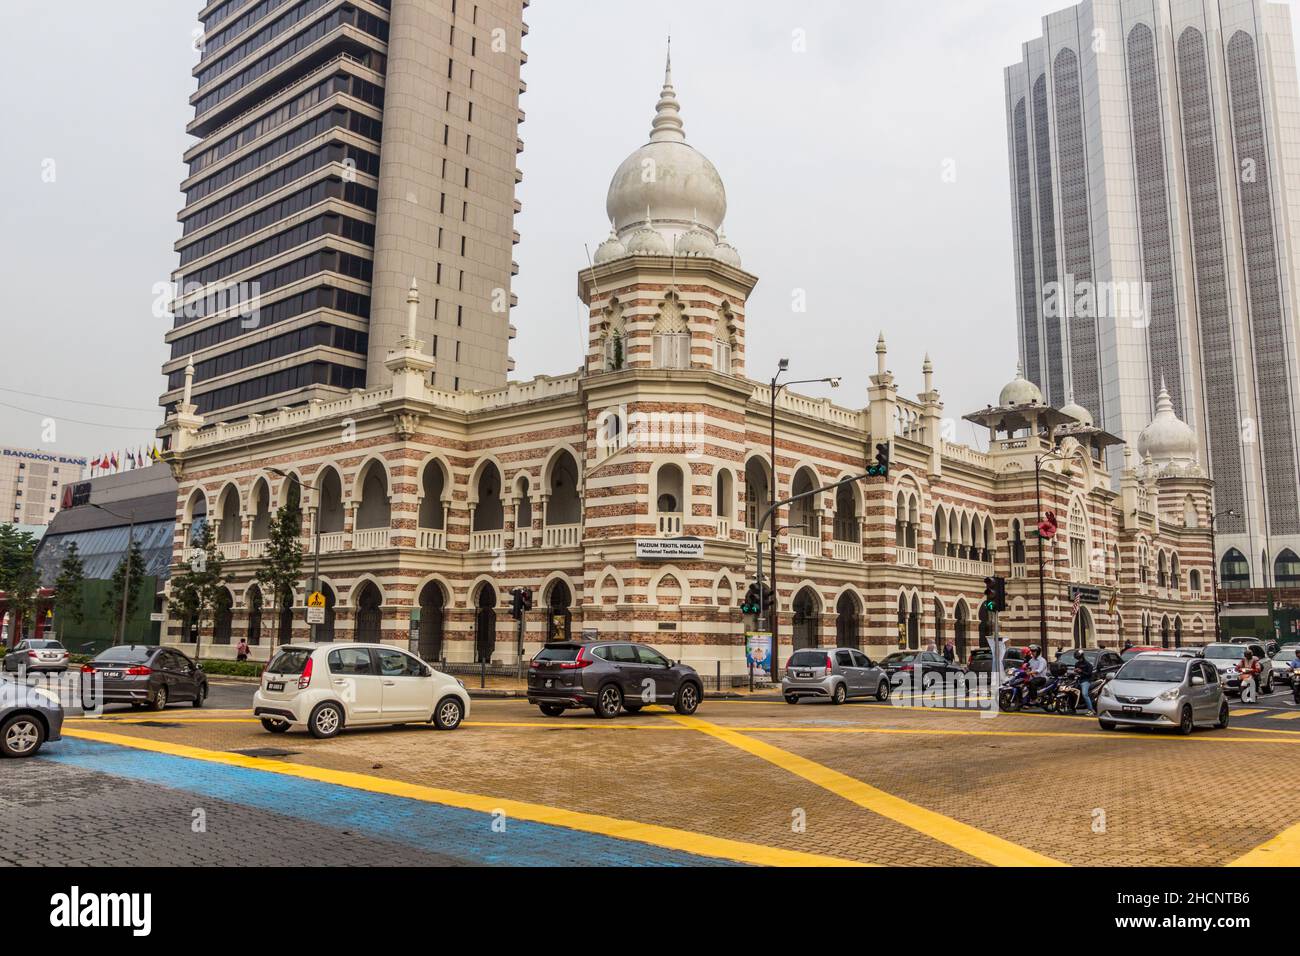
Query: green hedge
{"x": 233, "y": 668}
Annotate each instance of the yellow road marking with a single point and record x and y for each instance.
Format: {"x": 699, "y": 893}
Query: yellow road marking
{"x": 961, "y": 836}
{"x": 1248, "y": 712}
{"x": 1282, "y": 850}
{"x": 671, "y": 838}
{"x": 1287, "y": 715}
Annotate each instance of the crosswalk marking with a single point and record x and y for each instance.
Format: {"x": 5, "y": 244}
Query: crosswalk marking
{"x": 1246, "y": 713}
{"x": 1287, "y": 715}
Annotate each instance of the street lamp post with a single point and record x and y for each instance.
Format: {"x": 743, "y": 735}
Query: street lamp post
{"x": 126, "y": 574}
{"x": 315, "y": 540}
{"x": 1214, "y": 566}
{"x": 1038, "y": 504}
{"x": 765, "y": 613}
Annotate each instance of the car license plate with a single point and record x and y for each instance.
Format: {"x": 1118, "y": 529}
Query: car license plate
{"x": 1132, "y": 709}
{"x": 804, "y": 674}
{"x": 111, "y": 675}
{"x": 275, "y": 685}
{"x": 550, "y": 683}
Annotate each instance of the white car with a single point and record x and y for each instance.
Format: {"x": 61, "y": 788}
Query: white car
{"x": 327, "y": 687}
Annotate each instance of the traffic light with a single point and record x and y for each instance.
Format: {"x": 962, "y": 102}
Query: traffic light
{"x": 521, "y": 600}
{"x": 995, "y": 594}
{"x": 1047, "y": 527}
{"x": 751, "y": 603}
{"x": 881, "y": 468}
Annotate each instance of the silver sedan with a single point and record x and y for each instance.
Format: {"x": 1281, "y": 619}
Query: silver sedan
{"x": 1162, "y": 691}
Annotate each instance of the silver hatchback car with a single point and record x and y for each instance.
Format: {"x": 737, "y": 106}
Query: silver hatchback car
{"x": 835, "y": 673}
{"x": 1164, "y": 691}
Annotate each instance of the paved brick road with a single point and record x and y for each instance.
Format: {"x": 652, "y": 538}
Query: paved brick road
{"x": 868, "y": 783}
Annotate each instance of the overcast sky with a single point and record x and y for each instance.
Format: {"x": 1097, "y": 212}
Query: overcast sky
{"x": 833, "y": 158}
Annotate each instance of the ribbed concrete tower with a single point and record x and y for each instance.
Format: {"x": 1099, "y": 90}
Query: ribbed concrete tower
{"x": 1155, "y": 172}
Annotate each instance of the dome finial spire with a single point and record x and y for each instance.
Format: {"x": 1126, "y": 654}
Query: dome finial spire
{"x": 667, "y": 126}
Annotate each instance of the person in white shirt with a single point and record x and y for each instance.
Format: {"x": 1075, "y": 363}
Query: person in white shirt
{"x": 1038, "y": 670}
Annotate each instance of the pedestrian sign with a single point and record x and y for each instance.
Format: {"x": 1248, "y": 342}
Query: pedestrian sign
{"x": 316, "y": 608}
{"x": 316, "y": 599}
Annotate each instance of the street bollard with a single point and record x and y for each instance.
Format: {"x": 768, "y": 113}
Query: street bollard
{"x": 718, "y": 683}
{"x": 482, "y": 674}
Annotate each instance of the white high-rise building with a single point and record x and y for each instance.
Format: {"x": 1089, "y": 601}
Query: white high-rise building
{"x": 1155, "y": 178}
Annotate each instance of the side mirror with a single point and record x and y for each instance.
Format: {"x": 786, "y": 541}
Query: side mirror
{"x": 1197, "y": 680}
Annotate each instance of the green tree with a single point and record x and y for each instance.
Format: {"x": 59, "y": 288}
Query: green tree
{"x": 113, "y": 599}
{"x": 194, "y": 593}
{"x": 281, "y": 567}
{"x": 19, "y": 579}
{"x": 68, "y": 588}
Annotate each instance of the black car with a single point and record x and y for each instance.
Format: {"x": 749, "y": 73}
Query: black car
{"x": 1104, "y": 663}
{"x": 609, "y": 676}
{"x": 981, "y": 660}
{"x": 144, "y": 676}
{"x": 927, "y": 661}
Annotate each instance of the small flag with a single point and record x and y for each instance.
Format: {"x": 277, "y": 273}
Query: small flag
{"x": 1074, "y": 605}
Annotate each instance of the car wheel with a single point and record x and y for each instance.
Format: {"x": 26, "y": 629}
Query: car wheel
{"x": 839, "y": 695}
{"x": 882, "y": 691}
{"x": 1186, "y": 724}
{"x": 1106, "y": 724}
{"x": 551, "y": 710}
{"x": 274, "y": 726}
{"x": 326, "y": 721}
{"x": 21, "y": 736}
{"x": 1223, "y": 716}
{"x": 1268, "y": 688}
{"x": 609, "y": 702}
{"x": 201, "y": 695}
{"x": 792, "y": 698}
{"x": 159, "y": 701}
{"x": 449, "y": 714}
{"x": 688, "y": 699}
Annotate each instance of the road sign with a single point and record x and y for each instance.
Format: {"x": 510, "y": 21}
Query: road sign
{"x": 316, "y": 599}
{"x": 315, "y": 615}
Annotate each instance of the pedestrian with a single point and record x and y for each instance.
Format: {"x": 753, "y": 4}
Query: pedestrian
{"x": 949, "y": 651}
{"x": 1249, "y": 670}
{"x": 241, "y": 650}
{"x": 1127, "y": 645}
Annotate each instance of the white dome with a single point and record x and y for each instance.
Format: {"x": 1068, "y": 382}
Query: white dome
{"x": 609, "y": 250}
{"x": 647, "y": 241}
{"x": 726, "y": 252}
{"x": 1019, "y": 391}
{"x": 696, "y": 242}
{"x": 1078, "y": 413}
{"x": 1168, "y": 440}
{"x": 667, "y": 179}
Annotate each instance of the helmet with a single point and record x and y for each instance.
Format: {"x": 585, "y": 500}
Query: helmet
{"x": 1035, "y": 648}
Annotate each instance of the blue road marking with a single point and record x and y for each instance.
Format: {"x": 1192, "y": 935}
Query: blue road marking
{"x": 465, "y": 835}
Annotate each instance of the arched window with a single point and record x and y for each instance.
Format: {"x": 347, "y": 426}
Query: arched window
{"x": 672, "y": 336}
{"x": 1194, "y": 581}
{"x": 1161, "y": 579}
{"x": 1017, "y": 542}
{"x": 1286, "y": 569}
{"x": 1077, "y": 529}
{"x": 724, "y": 494}
{"x": 940, "y": 541}
{"x": 846, "y": 515}
{"x": 722, "y": 346}
{"x": 1175, "y": 572}
{"x": 806, "y": 608}
{"x": 369, "y": 625}
{"x": 563, "y": 507}
{"x": 330, "y": 489}
{"x": 1234, "y": 571}
{"x": 669, "y": 500}
{"x": 375, "y": 508}
{"x": 229, "y": 531}
{"x": 261, "y": 511}
{"x": 433, "y": 606}
{"x": 559, "y": 613}
{"x": 757, "y": 498}
{"x": 255, "y": 616}
{"x": 804, "y": 518}
{"x": 848, "y": 620}
{"x": 615, "y": 346}
{"x": 222, "y": 617}
{"x": 489, "y": 513}
{"x": 433, "y": 486}
{"x": 1190, "y": 517}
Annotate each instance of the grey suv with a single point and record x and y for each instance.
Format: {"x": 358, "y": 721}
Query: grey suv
{"x": 609, "y": 676}
{"x": 835, "y": 673}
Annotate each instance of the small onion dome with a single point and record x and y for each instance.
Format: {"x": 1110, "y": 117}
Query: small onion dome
{"x": 1020, "y": 391}
{"x": 647, "y": 241}
{"x": 726, "y": 252}
{"x": 1168, "y": 440}
{"x": 696, "y": 242}
{"x": 1078, "y": 412}
{"x": 611, "y": 249}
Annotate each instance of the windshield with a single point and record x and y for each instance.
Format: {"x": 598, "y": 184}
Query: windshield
{"x": 808, "y": 659}
{"x": 132, "y": 655}
{"x": 1287, "y": 654}
{"x": 289, "y": 661}
{"x": 45, "y": 645}
{"x": 1163, "y": 670}
{"x": 558, "y": 652}
{"x": 899, "y": 659}
{"x": 1225, "y": 652}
